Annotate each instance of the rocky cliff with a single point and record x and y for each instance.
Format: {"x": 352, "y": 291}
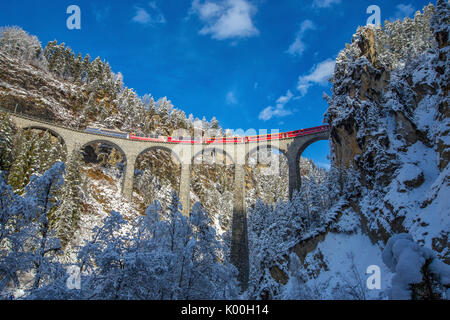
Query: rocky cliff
{"x": 389, "y": 118}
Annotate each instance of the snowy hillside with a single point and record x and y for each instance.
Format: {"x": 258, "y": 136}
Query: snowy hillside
{"x": 391, "y": 106}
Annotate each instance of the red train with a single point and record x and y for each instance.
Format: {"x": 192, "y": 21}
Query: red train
{"x": 153, "y": 138}
{"x": 226, "y": 140}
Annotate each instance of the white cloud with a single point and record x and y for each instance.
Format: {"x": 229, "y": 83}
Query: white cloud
{"x": 150, "y": 16}
{"x": 102, "y": 13}
{"x": 298, "y": 46}
{"x": 286, "y": 98}
{"x": 324, "y": 165}
{"x": 403, "y": 11}
{"x": 324, "y": 3}
{"x": 319, "y": 75}
{"x": 231, "y": 98}
{"x": 279, "y": 110}
{"x": 228, "y": 19}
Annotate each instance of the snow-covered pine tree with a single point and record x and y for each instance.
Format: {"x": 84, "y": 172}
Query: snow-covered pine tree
{"x": 19, "y": 44}
{"x": 33, "y": 153}
{"x": 7, "y": 132}
{"x": 77, "y": 69}
{"x": 51, "y": 150}
{"x": 15, "y": 217}
{"x": 296, "y": 288}
{"x": 96, "y": 70}
{"x": 25, "y": 159}
{"x": 41, "y": 192}
{"x": 164, "y": 108}
{"x": 65, "y": 219}
{"x": 56, "y": 56}
{"x": 27, "y": 243}
{"x": 208, "y": 277}
{"x": 419, "y": 274}
{"x": 102, "y": 261}
{"x": 85, "y": 69}
{"x": 177, "y": 119}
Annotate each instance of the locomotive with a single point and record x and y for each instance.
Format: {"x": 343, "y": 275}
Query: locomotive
{"x": 108, "y": 132}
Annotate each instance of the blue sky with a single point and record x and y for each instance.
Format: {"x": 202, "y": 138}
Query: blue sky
{"x": 253, "y": 64}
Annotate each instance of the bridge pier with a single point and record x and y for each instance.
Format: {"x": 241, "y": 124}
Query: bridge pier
{"x": 294, "y": 175}
{"x": 239, "y": 237}
{"x": 127, "y": 186}
{"x": 185, "y": 188}
{"x": 70, "y": 147}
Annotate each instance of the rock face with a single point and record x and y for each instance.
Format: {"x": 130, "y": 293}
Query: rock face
{"x": 389, "y": 118}
{"x": 30, "y": 90}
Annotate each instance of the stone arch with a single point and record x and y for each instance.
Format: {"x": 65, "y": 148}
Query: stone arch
{"x": 161, "y": 147}
{"x": 219, "y": 168}
{"x": 276, "y": 168}
{"x": 264, "y": 146}
{"x": 305, "y": 145}
{"x": 147, "y": 178}
{"x": 294, "y": 154}
{"x": 214, "y": 148}
{"x": 108, "y": 142}
{"x": 54, "y": 133}
{"x": 124, "y": 164}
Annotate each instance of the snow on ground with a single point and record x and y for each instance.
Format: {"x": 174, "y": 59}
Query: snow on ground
{"x": 338, "y": 251}
{"x": 103, "y": 196}
{"x": 425, "y": 205}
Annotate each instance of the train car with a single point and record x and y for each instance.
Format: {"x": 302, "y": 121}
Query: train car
{"x": 297, "y": 133}
{"x": 184, "y": 140}
{"x": 251, "y": 139}
{"x": 293, "y": 134}
{"x": 223, "y": 140}
{"x": 107, "y": 132}
{"x": 265, "y": 137}
{"x": 152, "y": 138}
{"x": 269, "y": 137}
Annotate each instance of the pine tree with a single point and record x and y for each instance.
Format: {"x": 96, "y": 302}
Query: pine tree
{"x": 41, "y": 192}
{"x": 85, "y": 69}
{"x": 65, "y": 220}
{"x": 68, "y": 72}
{"x": 19, "y": 44}
{"x": 7, "y": 132}
{"x": 25, "y": 160}
{"x": 77, "y": 68}
{"x": 96, "y": 70}
{"x": 55, "y": 55}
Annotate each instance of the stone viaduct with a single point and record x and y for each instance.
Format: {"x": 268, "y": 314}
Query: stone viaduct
{"x": 238, "y": 154}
